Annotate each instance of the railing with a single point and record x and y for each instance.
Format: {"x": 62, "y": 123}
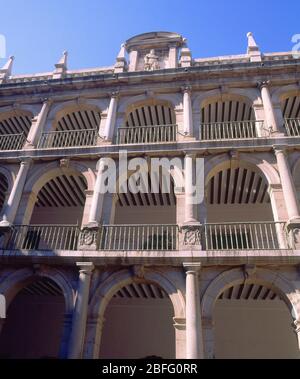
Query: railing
{"x": 230, "y": 130}
{"x": 12, "y": 141}
{"x": 292, "y": 126}
{"x": 245, "y": 236}
{"x": 68, "y": 138}
{"x": 147, "y": 134}
{"x": 138, "y": 237}
{"x": 41, "y": 237}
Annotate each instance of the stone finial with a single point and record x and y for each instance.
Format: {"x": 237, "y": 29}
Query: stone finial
{"x": 61, "y": 66}
{"x": 6, "y": 70}
{"x": 185, "y": 57}
{"x": 253, "y": 49}
{"x": 121, "y": 64}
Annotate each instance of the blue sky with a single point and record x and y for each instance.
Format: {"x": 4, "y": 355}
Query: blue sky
{"x": 38, "y": 31}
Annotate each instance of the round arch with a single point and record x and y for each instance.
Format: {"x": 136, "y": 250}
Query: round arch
{"x": 216, "y": 163}
{"x": 120, "y": 279}
{"x": 271, "y": 279}
{"x": 172, "y": 100}
{"x": 19, "y": 279}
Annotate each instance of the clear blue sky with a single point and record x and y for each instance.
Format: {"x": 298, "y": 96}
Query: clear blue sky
{"x": 38, "y": 31}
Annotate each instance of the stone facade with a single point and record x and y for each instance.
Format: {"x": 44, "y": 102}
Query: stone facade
{"x": 60, "y": 235}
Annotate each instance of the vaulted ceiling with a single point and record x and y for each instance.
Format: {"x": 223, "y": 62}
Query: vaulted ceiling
{"x": 15, "y": 123}
{"x": 79, "y": 120}
{"x": 151, "y": 115}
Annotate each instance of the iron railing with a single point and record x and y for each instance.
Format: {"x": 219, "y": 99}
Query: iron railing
{"x": 68, "y": 138}
{"x": 12, "y": 141}
{"x": 41, "y": 237}
{"x": 147, "y": 134}
{"x": 230, "y": 130}
{"x": 292, "y": 126}
{"x": 245, "y": 236}
{"x": 138, "y": 237}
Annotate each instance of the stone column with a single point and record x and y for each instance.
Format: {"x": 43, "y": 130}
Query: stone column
{"x": 189, "y": 174}
{"x": 111, "y": 117}
{"x": 38, "y": 124}
{"x": 80, "y": 311}
{"x": 187, "y": 112}
{"x": 288, "y": 186}
{"x": 270, "y": 119}
{"x": 194, "y": 339}
{"x": 13, "y": 201}
{"x": 97, "y": 200}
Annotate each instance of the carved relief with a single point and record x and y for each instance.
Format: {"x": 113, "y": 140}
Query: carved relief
{"x": 151, "y": 61}
{"x": 88, "y": 238}
{"x": 191, "y": 235}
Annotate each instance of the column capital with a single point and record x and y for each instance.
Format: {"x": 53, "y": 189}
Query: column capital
{"x": 188, "y": 154}
{"x": 263, "y": 84}
{"x": 26, "y": 161}
{"x": 279, "y": 149}
{"x": 114, "y": 94}
{"x": 47, "y": 100}
{"x": 179, "y": 323}
{"x": 192, "y": 267}
{"x": 186, "y": 89}
{"x": 85, "y": 267}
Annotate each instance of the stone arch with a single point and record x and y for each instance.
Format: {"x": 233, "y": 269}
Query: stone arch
{"x": 118, "y": 280}
{"x": 282, "y": 93}
{"x": 20, "y": 120}
{"x": 271, "y": 279}
{"x": 215, "y": 163}
{"x": 249, "y": 96}
{"x": 59, "y": 110}
{"x": 18, "y": 279}
{"x": 9, "y": 175}
{"x": 229, "y": 278}
{"x": 173, "y": 100}
{"x": 44, "y": 173}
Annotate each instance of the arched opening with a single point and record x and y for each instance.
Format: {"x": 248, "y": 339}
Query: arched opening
{"x": 77, "y": 126}
{"x": 145, "y": 220}
{"x": 14, "y": 128}
{"x": 34, "y": 324}
{"x": 55, "y": 219}
{"x": 3, "y": 190}
{"x": 138, "y": 323}
{"x": 151, "y": 122}
{"x": 290, "y": 106}
{"x": 239, "y": 211}
{"x": 228, "y": 118}
{"x": 253, "y": 321}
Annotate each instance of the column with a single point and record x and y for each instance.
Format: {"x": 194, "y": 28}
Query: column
{"x": 187, "y": 112}
{"x": 111, "y": 117}
{"x": 38, "y": 124}
{"x": 13, "y": 201}
{"x": 189, "y": 173}
{"x": 270, "y": 119}
{"x": 80, "y": 310}
{"x": 194, "y": 339}
{"x": 288, "y": 187}
{"x": 98, "y": 196}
